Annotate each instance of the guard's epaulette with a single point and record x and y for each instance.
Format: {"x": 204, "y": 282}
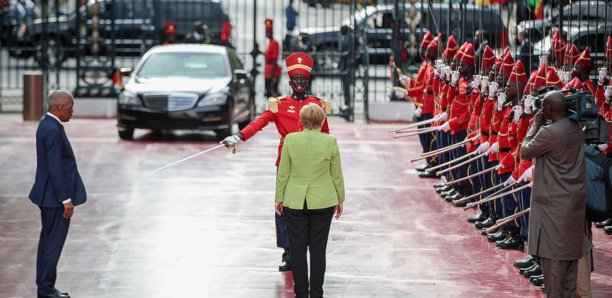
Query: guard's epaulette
{"x": 273, "y": 103}
{"x": 327, "y": 104}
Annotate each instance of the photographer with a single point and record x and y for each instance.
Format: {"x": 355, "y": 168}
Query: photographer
{"x": 558, "y": 200}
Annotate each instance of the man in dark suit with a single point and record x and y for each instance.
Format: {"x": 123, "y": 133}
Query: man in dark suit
{"x": 57, "y": 189}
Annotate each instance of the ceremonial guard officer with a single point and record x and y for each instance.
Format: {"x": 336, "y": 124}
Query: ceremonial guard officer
{"x": 272, "y": 71}
{"x": 284, "y": 112}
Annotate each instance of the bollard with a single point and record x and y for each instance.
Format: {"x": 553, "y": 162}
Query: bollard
{"x": 32, "y": 95}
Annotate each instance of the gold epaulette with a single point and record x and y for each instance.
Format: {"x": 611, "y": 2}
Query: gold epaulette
{"x": 327, "y": 105}
{"x": 273, "y": 104}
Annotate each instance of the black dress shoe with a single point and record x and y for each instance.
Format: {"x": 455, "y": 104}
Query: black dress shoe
{"x": 537, "y": 280}
{"x": 512, "y": 242}
{"x": 524, "y": 263}
{"x": 443, "y": 188}
{"x": 450, "y": 192}
{"x": 500, "y": 235}
{"x": 476, "y": 217}
{"x": 440, "y": 184}
{"x": 422, "y": 167}
{"x": 536, "y": 271}
{"x": 284, "y": 266}
{"x": 602, "y": 224}
{"x": 487, "y": 223}
{"x": 454, "y": 197}
{"x": 57, "y": 294}
{"x": 532, "y": 267}
{"x": 457, "y": 203}
{"x": 427, "y": 174}
{"x": 608, "y": 230}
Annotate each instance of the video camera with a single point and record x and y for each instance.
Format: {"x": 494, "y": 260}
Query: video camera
{"x": 582, "y": 108}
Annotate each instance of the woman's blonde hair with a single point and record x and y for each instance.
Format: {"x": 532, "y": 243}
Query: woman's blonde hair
{"x": 312, "y": 116}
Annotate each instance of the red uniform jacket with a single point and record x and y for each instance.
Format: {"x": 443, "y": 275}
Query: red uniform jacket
{"x": 485, "y": 119}
{"x": 505, "y": 140}
{"x": 271, "y": 55}
{"x": 423, "y": 94}
{"x": 496, "y": 122}
{"x": 522, "y": 129}
{"x": 459, "y": 116}
{"x": 287, "y": 120}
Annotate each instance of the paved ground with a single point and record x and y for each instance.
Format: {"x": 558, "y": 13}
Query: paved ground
{"x": 205, "y": 228}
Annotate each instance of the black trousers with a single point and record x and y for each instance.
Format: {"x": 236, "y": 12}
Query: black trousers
{"x": 308, "y": 229}
{"x": 52, "y": 237}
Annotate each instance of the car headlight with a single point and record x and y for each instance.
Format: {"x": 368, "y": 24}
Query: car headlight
{"x": 213, "y": 99}
{"x": 129, "y": 98}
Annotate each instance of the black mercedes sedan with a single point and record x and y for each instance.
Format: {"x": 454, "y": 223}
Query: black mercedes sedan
{"x": 186, "y": 87}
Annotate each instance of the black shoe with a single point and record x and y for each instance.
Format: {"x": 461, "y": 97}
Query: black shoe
{"x": 440, "y": 184}
{"x": 487, "y": 223}
{"x": 427, "y": 174}
{"x": 500, "y": 235}
{"x": 422, "y": 167}
{"x": 603, "y": 224}
{"x": 537, "y": 280}
{"x": 525, "y": 263}
{"x": 443, "y": 188}
{"x": 450, "y": 192}
{"x": 512, "y": 242}
{"x": 460, "y": 204}
{"x": 57, "y": 294}
{"x": 286, "y": 261}
{"x": 532, "y": 267}
{"x": 284, "y": 266}
{"x": 608, "y": 230}
{"x": 536, "y": 271}
{"x": 455, "y": 197}
{"x": 476, "y": 217}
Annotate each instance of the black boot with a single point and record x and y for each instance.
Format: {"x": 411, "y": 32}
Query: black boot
{"x": 526, "y": 262}
{"x": 501, "y": 234}
{"x": 602, "y": 224}
{"x": 477, "y": 217}
{"x": 286, "y": 261}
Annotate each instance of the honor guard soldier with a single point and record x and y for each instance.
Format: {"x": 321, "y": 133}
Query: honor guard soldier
{"x": 285, "y": 113}
{"x": 272, "y": 71}
{"x": 169, "y": 33}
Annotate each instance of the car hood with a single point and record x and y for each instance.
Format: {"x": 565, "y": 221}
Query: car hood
{"x": 173, "y": 84}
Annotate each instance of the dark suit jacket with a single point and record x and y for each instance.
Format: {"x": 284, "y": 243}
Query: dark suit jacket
{"x": 57, "y": 177}
{"x": 527, "y": 57}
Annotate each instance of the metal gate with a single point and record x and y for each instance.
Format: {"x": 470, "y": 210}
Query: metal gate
{"x": 80, "y": 44}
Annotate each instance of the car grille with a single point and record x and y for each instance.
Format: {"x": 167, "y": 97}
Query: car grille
{"x": 171, "y": 102}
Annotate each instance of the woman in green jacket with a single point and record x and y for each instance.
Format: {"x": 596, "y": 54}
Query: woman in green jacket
{"x": 309, "y": 190}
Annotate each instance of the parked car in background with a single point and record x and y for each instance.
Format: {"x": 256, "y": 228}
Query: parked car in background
{"x": 372, "y": 26}
{"x": 186, "y": 87}
{"x": 127, "y": 27}
{"x": 576, "y": 12}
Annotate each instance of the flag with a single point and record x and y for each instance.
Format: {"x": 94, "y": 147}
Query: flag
{"x": 538, "y": 10}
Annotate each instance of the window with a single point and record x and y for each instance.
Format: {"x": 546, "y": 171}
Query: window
{"x": 192, "y": 65}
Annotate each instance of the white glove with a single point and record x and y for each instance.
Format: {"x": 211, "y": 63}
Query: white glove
{"x": 444, "y": 127}
{"x": 476, "y": 82}
{"x": 518, "y": 112}
{"x": 602, "y": 147}
{"x": 501, "y": 100}
{"x": 231, "y": 142}
{"x": 567, "y": 77}
{"x": 510, "y": 181}
{"x": 526, "y": 175}
{"x": 400, "y": 92}
{"x": 482, "y": 148}
{"x": 494, "y": 148}
{"x": 608, "y": 93}
{"x": 528, "y": 103}
{"x": 454, "y": 78}
{"x": 499, "y": 166}
{"x": 404, "y": 80}
{"x": 441, "y": 117}
{"x": 484, "y": 83}
{"x": 543, "y": 61}
{"x": 492, "y": 89}
{"x": 603, "y": 73}
{"x": 417, "y": 112}
{"x": 560, "y": 74}
{"x": 447, "y": 72}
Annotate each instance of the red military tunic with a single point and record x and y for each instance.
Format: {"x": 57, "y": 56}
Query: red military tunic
{"x": 522, "y": 129}
{"x": 287, "y": 120}
{"x": 459, "y": 116}
{"x": 485, "y": 119}
{"x": 271, "y": 56}
{"x": 505, "y": 140}
{"x": 423, "y": 94}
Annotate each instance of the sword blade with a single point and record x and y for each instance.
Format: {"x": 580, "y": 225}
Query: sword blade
{"x": 187, "y": 158}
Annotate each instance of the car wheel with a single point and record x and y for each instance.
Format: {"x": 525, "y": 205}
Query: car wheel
{"x": 54, "y": 55}
{"x": 126, "y": 134}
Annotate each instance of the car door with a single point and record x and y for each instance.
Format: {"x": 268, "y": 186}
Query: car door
{"x": 240, "y": 88}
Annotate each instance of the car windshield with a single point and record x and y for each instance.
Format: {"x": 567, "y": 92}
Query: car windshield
{"x": 360, "y": 15}
{"x": 181, "y": 64}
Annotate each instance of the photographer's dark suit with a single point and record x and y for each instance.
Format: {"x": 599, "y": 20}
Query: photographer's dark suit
{"x": 57, "y": 179}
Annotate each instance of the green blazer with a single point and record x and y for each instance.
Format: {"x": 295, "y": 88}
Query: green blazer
{"x": 310, "y": 170}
